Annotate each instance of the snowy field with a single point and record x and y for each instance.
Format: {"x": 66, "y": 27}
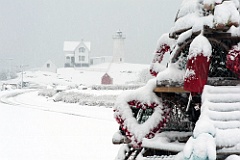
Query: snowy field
{"x": 30, "y": 131}
{"x": 34, "y": 127}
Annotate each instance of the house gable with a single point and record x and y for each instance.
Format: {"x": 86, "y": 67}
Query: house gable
{"x": 49, "y": 66}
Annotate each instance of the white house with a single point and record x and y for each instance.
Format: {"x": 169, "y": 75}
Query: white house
{"x": 49, "y": 66}
{"x": 77, "y": 53}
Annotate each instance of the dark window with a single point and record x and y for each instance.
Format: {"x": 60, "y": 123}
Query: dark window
{"x": 48, "y": 65}
{"x": 82, "y": 49}
{"x": 81, "y": 58}
{"x": 72, "y": 60}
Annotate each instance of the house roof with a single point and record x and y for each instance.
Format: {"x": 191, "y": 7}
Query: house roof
{"x": 106, "y": 75}
{"x": 72, "y": 45}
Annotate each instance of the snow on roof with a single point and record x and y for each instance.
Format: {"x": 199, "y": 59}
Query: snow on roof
{"x": 72, "y": 45}
{"x": 69, "y": 55}
{"x": 49, "y": 61}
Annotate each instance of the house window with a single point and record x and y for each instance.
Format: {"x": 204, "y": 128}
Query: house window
{"x": 81, "y": 49}
{"x": 72, "y": 60}
{"x": 48, "y": 65}
{"x": 81, "y": 58}
{"x": 68, "y": 57}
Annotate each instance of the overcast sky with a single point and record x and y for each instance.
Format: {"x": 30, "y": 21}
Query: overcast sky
{"x": 33, "y": 31}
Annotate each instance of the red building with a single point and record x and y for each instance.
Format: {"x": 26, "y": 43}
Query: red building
{"x": 106, "y": 79}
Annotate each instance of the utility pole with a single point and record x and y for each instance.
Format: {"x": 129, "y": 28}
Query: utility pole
{"x": 21, "y": 66}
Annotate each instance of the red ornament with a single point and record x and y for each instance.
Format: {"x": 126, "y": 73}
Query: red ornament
{"x": 233, "y": 60}
{"x": 158, "y": 57}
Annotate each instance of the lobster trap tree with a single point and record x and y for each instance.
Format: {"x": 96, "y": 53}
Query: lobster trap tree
{"x": 203, "y": 49}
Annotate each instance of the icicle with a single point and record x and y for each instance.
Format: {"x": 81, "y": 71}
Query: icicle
{"x": 189, "y": 101}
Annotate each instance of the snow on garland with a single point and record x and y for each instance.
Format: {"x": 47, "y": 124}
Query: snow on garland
{"x": 142, "y": 98}
{"x": 233, "y": 59}
{"x": 165, "y": 45}
{"x": 155, "y": 127}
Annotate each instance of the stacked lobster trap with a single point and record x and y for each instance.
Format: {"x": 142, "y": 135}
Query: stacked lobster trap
{"x": 203, "y": 49}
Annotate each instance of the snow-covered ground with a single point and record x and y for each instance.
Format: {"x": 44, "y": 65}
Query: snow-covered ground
{"x": 30, "y": 131}
{"x": 34, "y": 127}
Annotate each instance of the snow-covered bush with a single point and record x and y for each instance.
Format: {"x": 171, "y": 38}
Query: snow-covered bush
{"x": 73, "y": 86}
{"x": 86, "y": 99}
{"x": 117, "y": 87}
{"x": 47, "y": 92}
{"x": 70, "y": 97}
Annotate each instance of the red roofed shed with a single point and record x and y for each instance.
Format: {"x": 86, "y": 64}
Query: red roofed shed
{"x": 106, "y": 79}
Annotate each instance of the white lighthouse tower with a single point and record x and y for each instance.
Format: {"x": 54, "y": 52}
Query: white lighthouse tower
{"x": 118, "y": 47}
